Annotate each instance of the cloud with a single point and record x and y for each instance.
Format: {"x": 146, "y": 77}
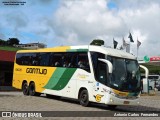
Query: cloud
{"x": 133, "y": 4}
{"x": 86, "y": 20}
{"x": 28, "y": 22}
{"x": 42, "y": 2}
{"x": 16, "y": 21}
{"x": 146, "y": 21}
{"x": 79, "y": 22}
{"x": 2, "y": 36}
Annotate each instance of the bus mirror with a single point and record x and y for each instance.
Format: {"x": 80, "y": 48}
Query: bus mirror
{"x": 110, "y": 67}
{"x": 146, "y": 70}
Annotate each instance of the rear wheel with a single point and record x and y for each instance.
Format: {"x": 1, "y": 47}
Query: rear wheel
{"x": 32, "y": 91}
{"x": 25, "y": 88}
{"x": 84, "y": 98}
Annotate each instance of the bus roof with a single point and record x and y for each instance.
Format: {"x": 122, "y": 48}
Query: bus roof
{"x": 111, "y": 52}
{"x": 101, "y": 49}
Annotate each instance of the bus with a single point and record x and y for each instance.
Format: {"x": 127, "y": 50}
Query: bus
{"x": 87, "y": 73}
{"x": 154, "y": 81}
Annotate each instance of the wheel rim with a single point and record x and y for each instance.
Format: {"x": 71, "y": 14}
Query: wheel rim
{"x": 84, "y": 98}
{"x": 25, "y": 89}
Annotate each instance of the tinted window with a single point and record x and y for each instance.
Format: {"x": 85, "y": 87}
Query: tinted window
{"x": 83, "y": 62}
{"x": 33, "y": 59}
{"x": 56, "y": 59}
{"x": 25, "y": 58}
{"x": 43, "y": 59}
{"x": 98, "y": 66}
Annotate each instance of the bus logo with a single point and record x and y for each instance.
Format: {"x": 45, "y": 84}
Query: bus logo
{"x": 18, "y": 69}
{"x": 98, "y": 97}
{"x": 36, "y": 71}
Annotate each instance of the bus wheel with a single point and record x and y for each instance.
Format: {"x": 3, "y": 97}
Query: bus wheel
{"x": 83, "y": 98}
{"x": 32, "y": 91}
{"x": 25, "y": 88}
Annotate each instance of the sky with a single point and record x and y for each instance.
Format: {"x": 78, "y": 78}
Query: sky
{"x": 78, "y": 22}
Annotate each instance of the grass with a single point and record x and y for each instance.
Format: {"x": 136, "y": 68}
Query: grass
{"x": 10, "y": 48}
{"x": 153, "y": 69}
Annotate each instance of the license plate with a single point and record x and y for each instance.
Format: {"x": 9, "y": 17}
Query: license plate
{"x": 126, "y": 102}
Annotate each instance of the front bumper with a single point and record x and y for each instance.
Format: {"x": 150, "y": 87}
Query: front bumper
{"x": 113, "y": 100}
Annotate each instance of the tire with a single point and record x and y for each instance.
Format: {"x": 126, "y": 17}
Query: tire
{"x": 112, "y": 106}
{"x": 84, "y": 98}
{"x": 32, "y": 91}
{"x": 25, "y": 89}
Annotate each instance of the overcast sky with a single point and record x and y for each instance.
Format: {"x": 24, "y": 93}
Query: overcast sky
{"x": 78, "y": 22}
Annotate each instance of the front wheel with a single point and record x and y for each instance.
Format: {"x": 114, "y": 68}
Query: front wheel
{"x": 83, "y": 98}
{"x": 25, "y": 89}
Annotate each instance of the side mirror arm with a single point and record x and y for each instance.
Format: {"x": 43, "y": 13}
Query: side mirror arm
{"x": 146, "y": 70}
{"x": 110, "y": 66}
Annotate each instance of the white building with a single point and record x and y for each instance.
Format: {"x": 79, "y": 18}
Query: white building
{"x": 32, "y": 45}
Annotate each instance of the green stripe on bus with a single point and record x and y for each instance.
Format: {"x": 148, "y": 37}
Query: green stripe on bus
{"x": 60, "y": 78}
{"x": 77, "y": 50}
{"x": 55, "y": 78}
{"x": 63, "y": 81}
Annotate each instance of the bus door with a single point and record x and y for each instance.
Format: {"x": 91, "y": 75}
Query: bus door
{"x": 101, "y": 78}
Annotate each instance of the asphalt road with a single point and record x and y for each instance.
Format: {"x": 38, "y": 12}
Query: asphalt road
{"x": 16, "y": 101}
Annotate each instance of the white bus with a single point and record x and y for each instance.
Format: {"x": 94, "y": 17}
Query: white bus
{"x": 87, "y": 73}
{"x": 154, "y": 81}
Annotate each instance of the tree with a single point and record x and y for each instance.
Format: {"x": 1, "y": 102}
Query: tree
{"x": 2, "y": 42}
{"x": 13, "y": 41}
{"x": 97, "y": 42}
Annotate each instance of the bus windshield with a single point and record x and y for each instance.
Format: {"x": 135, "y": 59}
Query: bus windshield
{"x": 125, "y": 76}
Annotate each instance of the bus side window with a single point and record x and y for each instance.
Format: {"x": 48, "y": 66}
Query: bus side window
{"x": 83, "y": 61}
{"x": 99, "y": 68}
{"x": 101, "y": 73}
{"x": 73, "y": 60}
{"x": 32, "y": 61}
{"x": 19, "y": 57}
{"x": 56, "y": 60}
{"x": 43, "y": 59}
{"x": 65, "y": 59}
{"x": 51, "y": 60}
{"x": 27, "y": 59}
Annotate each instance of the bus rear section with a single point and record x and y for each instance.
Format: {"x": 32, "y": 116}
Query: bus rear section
{"x": 53, "y": 72}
